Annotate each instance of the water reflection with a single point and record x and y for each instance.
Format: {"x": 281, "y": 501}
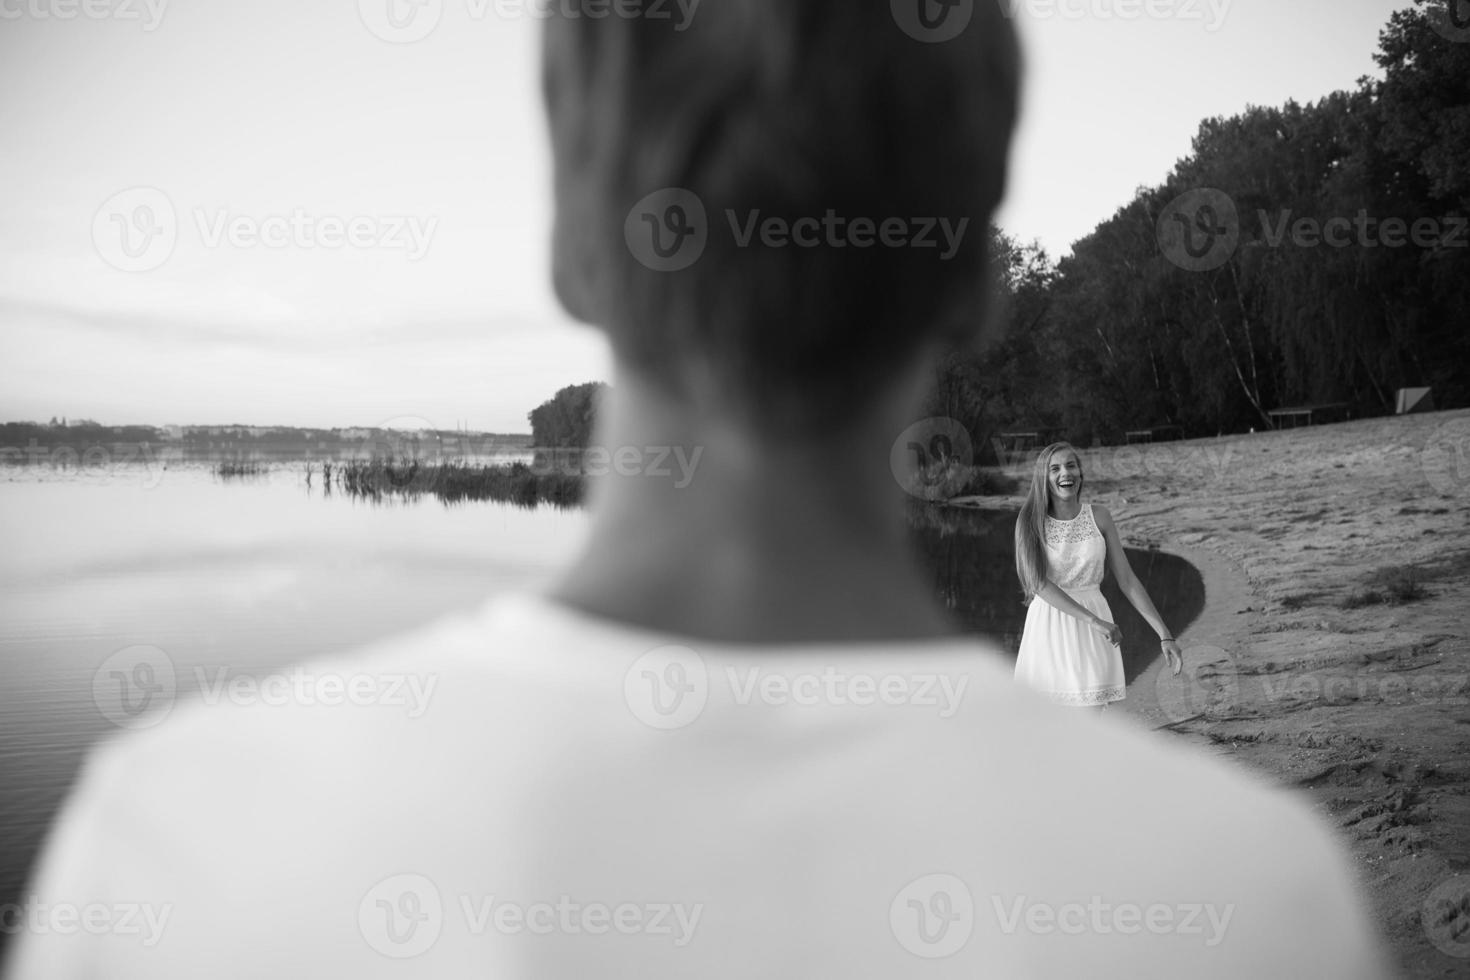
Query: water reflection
{"x": 245, "y": 574}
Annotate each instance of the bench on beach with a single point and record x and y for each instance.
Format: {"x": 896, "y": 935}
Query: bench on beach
{"x": 1019, "y": 445}
{"x": 1157, "y": 433}
{"x": 1321, "y": 414}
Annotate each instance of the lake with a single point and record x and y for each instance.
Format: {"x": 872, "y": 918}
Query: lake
{"x": 251, "y": 575}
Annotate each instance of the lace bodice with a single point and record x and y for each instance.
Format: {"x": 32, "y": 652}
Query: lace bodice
{"x": 1076, "y": 552}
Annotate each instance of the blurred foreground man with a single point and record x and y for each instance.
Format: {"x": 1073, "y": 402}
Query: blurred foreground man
{"x": 737, "y": 738}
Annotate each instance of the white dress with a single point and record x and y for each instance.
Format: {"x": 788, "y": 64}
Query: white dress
{"x": 1062, "y": 657}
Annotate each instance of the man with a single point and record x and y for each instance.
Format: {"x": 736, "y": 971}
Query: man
{"x": 737, "y": 738}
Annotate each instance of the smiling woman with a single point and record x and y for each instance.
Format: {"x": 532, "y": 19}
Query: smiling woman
{"x": 1071, "y": 648}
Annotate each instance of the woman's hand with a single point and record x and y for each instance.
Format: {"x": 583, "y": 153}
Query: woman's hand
{"x": 1113, "y": 631}
{"x": 1174, "y": 655}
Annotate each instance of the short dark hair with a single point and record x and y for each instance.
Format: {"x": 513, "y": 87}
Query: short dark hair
{"x": 792, "y": 108}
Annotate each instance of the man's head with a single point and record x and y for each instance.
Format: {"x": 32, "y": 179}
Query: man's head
{"x": 880, "y": 155}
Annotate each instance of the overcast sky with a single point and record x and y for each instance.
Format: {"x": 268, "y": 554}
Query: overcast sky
{"x": 335, "y": 212}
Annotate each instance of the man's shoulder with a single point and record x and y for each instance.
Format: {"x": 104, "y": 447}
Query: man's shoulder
{"x": 1152, "y": 768}
{"x": 291, "y": 711}
{"x": 1077, "y": 773}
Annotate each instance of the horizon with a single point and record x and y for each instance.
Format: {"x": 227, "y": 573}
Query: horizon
{"x": 67, "y": 422}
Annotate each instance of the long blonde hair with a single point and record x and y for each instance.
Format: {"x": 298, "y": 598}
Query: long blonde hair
{"x": 1031, "y": 523}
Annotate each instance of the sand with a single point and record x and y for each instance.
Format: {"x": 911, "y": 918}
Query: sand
{"x": 1363, "y": 707}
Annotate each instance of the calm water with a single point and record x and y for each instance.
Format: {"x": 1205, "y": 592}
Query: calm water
{"x": 251, "y": 575}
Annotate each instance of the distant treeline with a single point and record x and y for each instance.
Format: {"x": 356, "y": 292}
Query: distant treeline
{"x": 80, "y": 435}
{"x": 1299, "y": 255}
{"x": 17, "y": 439}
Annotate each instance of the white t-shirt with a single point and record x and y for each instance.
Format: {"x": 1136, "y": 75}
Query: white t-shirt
{"x": 529, "y": 791}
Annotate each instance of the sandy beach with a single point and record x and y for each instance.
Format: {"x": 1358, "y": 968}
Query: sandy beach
{"x": 1332, "y": 650}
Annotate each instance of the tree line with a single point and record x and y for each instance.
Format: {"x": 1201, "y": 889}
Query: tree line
{"x": 568, "y": 418}
{"x": 1301, "y": 254}
{"x": 1304, "y": 254}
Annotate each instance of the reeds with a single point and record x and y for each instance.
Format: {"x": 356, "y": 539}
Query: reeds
{"x": 232, "y": 469}
{"x": 381, "y": 478}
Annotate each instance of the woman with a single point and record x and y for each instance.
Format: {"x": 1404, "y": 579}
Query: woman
{"x": 1070, "y": 647}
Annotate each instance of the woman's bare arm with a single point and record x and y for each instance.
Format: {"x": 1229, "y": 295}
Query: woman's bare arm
{"x": 1128, "y": 582}
{"x": 1133, "y": 588}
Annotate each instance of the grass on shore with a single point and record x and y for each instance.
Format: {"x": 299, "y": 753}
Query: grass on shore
{"x": 383, "y": 477}
{"x": 519, "y": 484}
{"x": 237, "y": 469}
{"x": 379, "y": 478}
